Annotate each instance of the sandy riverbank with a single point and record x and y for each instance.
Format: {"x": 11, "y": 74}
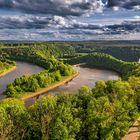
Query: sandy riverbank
{"x": 8, "y": 71}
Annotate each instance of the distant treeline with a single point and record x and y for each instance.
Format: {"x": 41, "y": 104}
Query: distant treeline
{"x": 123, "y": 53}
{"x": 124, "y": 50}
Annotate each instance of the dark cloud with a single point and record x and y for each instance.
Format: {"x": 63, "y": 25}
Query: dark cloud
{"x": 128, "y": 4}
{"x": 55, "y": 7}
{"x": 123, "y": 28}
{"x": 23, "y": 22}
{"x": 66, "y": 7}
{"x": 126, "y": 27}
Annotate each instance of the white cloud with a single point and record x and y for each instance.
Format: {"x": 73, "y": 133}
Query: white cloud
{"x": 137, "y": 17}
{"x": 115, "y": 8}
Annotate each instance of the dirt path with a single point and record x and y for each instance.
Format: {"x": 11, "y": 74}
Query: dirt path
{"x": 133, "y": 132}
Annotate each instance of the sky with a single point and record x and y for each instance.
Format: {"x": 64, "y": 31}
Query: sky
{"x": 69, "y": 20}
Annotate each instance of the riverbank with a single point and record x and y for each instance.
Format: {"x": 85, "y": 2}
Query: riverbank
{"x": 134, "y": 132}
{"x": 8, "y": 71}
{"x": 53, "y": 86}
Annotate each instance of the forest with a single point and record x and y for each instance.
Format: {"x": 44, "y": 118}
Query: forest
{"x": 103, "y": 113}
{"x": 124, "y": 50}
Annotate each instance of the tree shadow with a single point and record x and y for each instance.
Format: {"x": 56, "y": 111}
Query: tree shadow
{"x": 133, "y": 132}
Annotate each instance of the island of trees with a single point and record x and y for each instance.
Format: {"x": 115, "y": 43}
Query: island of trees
{"x": 103, "y": 113}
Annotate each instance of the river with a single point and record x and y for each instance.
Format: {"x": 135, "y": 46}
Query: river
{"x": 23, "y": 68}
{"x": 87, "y": 76}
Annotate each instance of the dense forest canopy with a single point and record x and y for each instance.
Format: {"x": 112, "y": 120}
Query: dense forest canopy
{"x": 124, "y": 50}
{"x": 105, "y": 112}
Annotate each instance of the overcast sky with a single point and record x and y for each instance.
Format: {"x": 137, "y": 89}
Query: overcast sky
{"x": 69, "y": 19}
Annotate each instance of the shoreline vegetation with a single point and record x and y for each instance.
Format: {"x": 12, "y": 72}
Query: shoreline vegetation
{"x": 133, "y": 133}
{"x": 7, "y": 71}
{"x": 51, "y": 87}
{"x": 6, "y": 66}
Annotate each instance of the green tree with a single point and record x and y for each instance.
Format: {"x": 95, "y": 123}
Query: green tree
{"x": 100, "y": 87}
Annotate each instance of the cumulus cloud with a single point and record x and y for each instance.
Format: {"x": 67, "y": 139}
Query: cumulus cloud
{"x": 23, "y": 22}
{"x": 65, "y": 18}
{"x": 55, "y": 7}
{"x": 124, "y": 28}
{"x": 67, "y": 7}
{"x": 69, "y": 25}
{"x": 42, "y": 22}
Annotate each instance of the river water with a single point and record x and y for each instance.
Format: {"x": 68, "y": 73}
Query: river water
{"x": 87, "y": 76}
{"x": 23, "y": 68}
